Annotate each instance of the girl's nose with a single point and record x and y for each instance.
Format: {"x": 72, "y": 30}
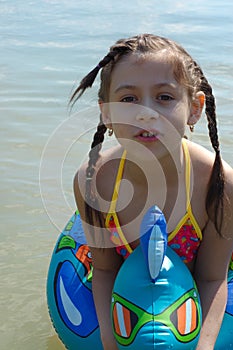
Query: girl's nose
{"x": 146, "y": 114}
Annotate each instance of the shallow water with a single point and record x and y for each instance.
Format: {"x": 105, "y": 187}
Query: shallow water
{"x": 45, "y": 47}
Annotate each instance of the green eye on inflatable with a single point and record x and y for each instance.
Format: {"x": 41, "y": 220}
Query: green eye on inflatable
{"x": 182, "y": 318}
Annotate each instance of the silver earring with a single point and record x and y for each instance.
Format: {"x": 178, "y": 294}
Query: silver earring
{"x": 110, "y": 132}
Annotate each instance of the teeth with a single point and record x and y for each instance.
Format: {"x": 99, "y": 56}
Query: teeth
{"x": 147, "y": 134}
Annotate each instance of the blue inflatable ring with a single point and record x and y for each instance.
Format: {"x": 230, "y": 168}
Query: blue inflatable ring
{"x": 72, "y": 310}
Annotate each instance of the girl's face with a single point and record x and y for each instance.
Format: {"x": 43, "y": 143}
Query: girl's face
{"x": 146, "y": 104}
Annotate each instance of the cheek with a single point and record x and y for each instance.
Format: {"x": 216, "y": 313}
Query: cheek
{"x": 179, "y": 116}
{"x": 120, "y": 130}
{"x": 178, "y": 126}
{"x": 122, "y": 113}
{"x": 173, "y": 129}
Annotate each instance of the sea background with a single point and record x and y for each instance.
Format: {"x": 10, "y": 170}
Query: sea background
{"x": 46, "y": 46}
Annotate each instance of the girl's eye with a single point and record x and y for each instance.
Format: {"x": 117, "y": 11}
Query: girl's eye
{"x": 165, "y": 97}
{"x": 129, "y": 99}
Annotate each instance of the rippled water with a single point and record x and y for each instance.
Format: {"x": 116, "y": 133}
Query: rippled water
{"x": 45, "y": 47}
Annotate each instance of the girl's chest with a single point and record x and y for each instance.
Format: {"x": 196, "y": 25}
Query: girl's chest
{"x": 133, "y": 203}
{"x": 131, "y": 209}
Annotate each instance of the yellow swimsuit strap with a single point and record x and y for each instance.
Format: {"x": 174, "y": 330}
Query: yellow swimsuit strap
{"x": 113, "y": 204}
{"x": 188, "y": 215}
{"x": 187, "y": 185}
{"x": 187, "y": 174}
{"x": 112, "y": 209}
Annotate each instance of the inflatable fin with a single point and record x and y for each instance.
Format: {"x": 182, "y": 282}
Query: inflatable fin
{"x": 153, "y": 239}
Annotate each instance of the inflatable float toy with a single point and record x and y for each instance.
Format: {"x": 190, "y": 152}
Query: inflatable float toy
{"x": 156, "y": 307}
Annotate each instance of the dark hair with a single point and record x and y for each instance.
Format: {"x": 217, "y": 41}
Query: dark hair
{"x": 187, "y": 72}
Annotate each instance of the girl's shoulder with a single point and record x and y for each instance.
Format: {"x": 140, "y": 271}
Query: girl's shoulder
{"x": 200, "y": 156}
{"x": 104, "y": 174}
{"x": 106, "y": 160}
{"x": 201, "y": 161}
{"x": 204, "y": 159}
{"x": 106, "y": 171}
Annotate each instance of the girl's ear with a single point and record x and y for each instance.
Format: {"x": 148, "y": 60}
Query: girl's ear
{"x": 104, "y": 109}
{"x": 196, "y": 108}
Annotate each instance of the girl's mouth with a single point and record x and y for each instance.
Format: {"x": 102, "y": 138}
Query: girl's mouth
{"x": 147, "y": 136}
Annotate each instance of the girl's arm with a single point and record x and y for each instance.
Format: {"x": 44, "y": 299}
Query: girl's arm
{"x": 104, "y": 273}
{"x": 213, "y": 296}
{"x": 211, "y": 278}
{"x": 106, "y": 263}
{"x": 211, "y": 271}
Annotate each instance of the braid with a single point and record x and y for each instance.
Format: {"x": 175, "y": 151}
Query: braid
{"x": 215, "y": 193}
{"x": 89, "y": 79}
{"x": 91, "y": 203}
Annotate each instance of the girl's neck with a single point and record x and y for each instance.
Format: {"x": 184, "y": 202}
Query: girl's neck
{"x": 169, "y": 166}
{"x": 162, "y": 183}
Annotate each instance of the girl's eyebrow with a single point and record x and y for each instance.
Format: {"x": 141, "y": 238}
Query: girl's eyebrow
{"x": 133, "y": 87}
{"x": 125, "y": 87}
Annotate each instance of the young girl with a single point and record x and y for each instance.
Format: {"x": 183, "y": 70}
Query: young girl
{"x": 150, "y": 90}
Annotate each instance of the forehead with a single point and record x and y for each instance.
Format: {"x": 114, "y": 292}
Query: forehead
{"x": 138, "y": 69}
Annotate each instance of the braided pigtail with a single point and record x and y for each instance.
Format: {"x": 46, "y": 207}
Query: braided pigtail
{"x": 215, "y": 194}
{"x": 91, "y": 202}
{"x": 92, "y": 213}
{"x": 89, "y": 79}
